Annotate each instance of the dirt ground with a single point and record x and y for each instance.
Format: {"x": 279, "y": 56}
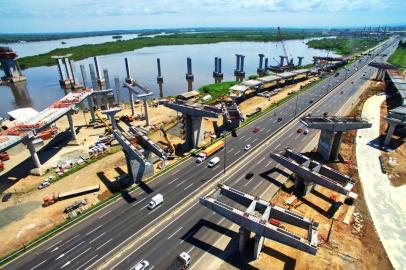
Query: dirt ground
{"x": 250, "y": 105}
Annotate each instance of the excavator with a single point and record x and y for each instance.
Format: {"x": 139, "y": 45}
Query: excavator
{"x": 171, "y": 148}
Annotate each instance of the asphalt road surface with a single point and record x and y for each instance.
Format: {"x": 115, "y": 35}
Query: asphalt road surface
{"x": 92, "y": 241}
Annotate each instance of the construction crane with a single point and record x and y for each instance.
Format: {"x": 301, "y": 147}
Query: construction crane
{"x": 280, "y": 38}
{"x": 103, "y": 120}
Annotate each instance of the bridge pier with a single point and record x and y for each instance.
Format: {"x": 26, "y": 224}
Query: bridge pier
{"x": 72, "y": 129}
{"x": 34, "y": 156}
{"x": 244, "y": 237}
{"x": 303, "y": 187}
{"x": 389, "y": 134}
{"x": 159, "y": 78}
{"x": 259, "y": 243}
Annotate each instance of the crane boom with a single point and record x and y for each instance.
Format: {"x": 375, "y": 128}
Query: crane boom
{"x": 279, "y": 36}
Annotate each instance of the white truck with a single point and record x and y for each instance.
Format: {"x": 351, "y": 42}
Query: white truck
{"x": 213, "y": 162}
{"x": 155, "y": 201}
{"x": 181, "y": 263}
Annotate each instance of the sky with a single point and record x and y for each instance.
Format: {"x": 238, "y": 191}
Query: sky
{"x": 37, "y": 16}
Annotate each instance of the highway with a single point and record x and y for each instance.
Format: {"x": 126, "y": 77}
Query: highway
{"x": 90, "y": 242}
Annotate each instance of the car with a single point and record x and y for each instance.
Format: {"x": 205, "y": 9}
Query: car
{"x": 142, "y": 265}
{"x": 256, "y": 130}
{"x": 43, "y": 185}
{"x": 325, "y": 114}
{"x": 311, "y": 101}
{"x": 279, "y": 119}
{"x": 249, "y": 175}
{"x": 299, "y": 130}
{"x": 305, "y": 131}
{"x": 247, "y": 147}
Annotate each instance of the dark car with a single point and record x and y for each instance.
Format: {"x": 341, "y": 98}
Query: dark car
{"x": 279, "y": 119}
{"x": 6, "y": 197}
{"x": 249, "y": 175}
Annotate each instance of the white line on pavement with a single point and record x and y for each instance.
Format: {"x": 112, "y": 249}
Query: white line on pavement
{"x": 175, "y": 172}
{"x": 255, "y": 140}
{"x": 180, "y": 183}
{"x": 246, "y": 184}
{"x": 259, "y": 161}
{"x": 188, "y": 186}
{"x": 81, "y": 254}
{"x": 105, "y": 214}
{"x": 95, "y": 229}
{"x": 87, "y": 261}
{"x": 236, "y": 153}
{"x": 242, "y": 137}
{"x": 138, "y": 202}
{"x": 97, "y": 237}
{"x": 38, "y": 264}
{"x": 53, "y": 245}
{"x": 269, "y": 163}
{"x": 170, "y": 236}
{"x": 177, "y": 178}
{"x": 104, "y": 244}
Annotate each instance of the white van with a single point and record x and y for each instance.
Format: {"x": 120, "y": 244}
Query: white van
{"x": 155, "y": 201}
{"x": 213, "y": 162}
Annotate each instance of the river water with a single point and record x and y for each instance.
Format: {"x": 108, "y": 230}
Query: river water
{"x": 42, "y": 86}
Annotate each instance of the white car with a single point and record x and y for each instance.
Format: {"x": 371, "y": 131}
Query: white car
{"x": 305, "y": 131}
{"x": 247, "y": 147}
{"x": 142, "y": 265}
{"x": 43, "y": 185}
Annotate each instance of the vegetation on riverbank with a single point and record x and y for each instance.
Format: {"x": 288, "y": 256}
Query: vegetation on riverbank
{"x": 343, "y": 45}
{"x": 399, "y": 56}
{"x": 89, "y": 50}
{"x": 216, "y": 90}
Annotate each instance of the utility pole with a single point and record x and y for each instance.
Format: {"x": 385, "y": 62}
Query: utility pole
{"x": 225, "y": 151}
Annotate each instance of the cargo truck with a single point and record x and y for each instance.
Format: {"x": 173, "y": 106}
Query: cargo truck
{"x": 155, "y": 201}
{"x": 209, "y": 151}
{"x": 66, "y": 195}
{"x": 181, "y": 262}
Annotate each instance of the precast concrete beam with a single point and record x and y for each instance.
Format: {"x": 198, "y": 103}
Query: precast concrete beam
{"x": 190, "y": 110}
{"x": 148, "y": 143}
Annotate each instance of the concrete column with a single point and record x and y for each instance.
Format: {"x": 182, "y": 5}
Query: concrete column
{"x": 34, "y": 155}
{"x": 300, "y": 58}
{"x": 259, "y": 242}
{"x": 59, "y": 65}
{"x": 113, "y": 122}
{"x": 146, "y": 112}
{"x": 71, "y": 126}
{"x": 389, "y": 134}
{"x": 308, "y": 187}
{"x": 84, "y": 77}
{"x": 198, "y": 131}
{"x": 281, "y": 61}
{"x": 106, "y": 78}
{"x": 189, "y": 74}
{"x": 98, "y": 71}
{"x": 160, "y": 79}
{"x": 131, "y": 95}
{"x": 127, "y": 69}
{"x": 266, "y": 64}
{"x": 118, "y": 93}
{"x": 299, "y": 186}
{"x": 244, "y": 237}
{"x": 90, "y": 104}
{"x": 66, "y": 60}
{"x": 72, "y": 70}
{"x": 336, "y": 145}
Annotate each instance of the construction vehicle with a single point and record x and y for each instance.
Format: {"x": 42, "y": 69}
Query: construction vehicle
{"x": 4, "y": 156}
{"x": 104, "y": 122}
{"x": 209, "y": 151}
{"x": 127, "y": 118}
{"x": 66, "y": 195}
{"x": 181, "y": 262}
{"x": 171, "y": 148}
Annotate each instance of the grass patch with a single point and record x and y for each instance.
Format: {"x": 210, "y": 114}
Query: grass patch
{"x": 399, "y": 56}
{"x": 89, "y": 50}
{"x": 343, "y": 46}
{"x": 216, "y": 90}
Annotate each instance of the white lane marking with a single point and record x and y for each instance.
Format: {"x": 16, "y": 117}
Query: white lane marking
{"x": 138, "y": 202}
{"x": 152, "y": 267}
{"x": 231, "y": 150}
{"x": 188, "y": 186}
{"x": 257, "y": 185}
{"x": 247, "y": 139}
{"x": 255, "y": 140}
{"x": 77, "y": 256}
{"x": 95, "y": 229}
{"x": 170, "y": 236}
{"x": 97, "y": 237}
{"x": 105, "y": 214}
{"x": 277, "y": 146}
{"x": 269, "y": 130}
{"x": 190, "y": 250}
{"x": 55, "y": 249}
{"x": 290, "y": 135}
{"x": 38, "y": 264}
{"x": 175, "y": 172}
{"x": 145, "y": 242}
{"x": 181, "y": 183}
{"x": 259, "y": 161}
{"x": 246, "y": 184}
{"x": 53, "y": 245}
{"x": 153, "y": 210}
{"x": 221, "y": 220}
{"x": 297, "y": 136}
{"x": 63, "y": 254}
{"x": 105, "y": 243}
{"x": 269, "y": 163}
{"x": 236, "y": 153}
{"x": 177, "y": 178}
{"x": 238, "y": 180}
{"x": 242, "y": 137}
{"x": 87, "y": 262}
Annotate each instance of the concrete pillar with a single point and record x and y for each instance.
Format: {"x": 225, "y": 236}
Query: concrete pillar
{"x": 242, "y": 62}
{"x": 106, "y": 78}
{"x": 237, "y": 64}
{"x": 72, "y": 70}
{"x": 91, "y": 105}
{"x": 113, "y": 122}
{"x": 325, "y": 144}
{"x": 84, "y": 77}
{"x": 146, "y": 112}
{"x": 389, "y": 134}
{"x": 160, "y": 79}
{"x": 127, "y": 69}
{"x": 66, "y": 62}
{"x": 336, "y": 145}
{"x": 131, "y": 95}
{"x": 281, "y": 61}
{"x": 72, "y": 127}
{"x": 189, "y": 74}
{"x": 266, "y": 64}
{"x": 34, "y": 155}
{"x": 198, "y": 131}
{"x": 259, "y": 242}
{"x": 60, "y": 70}
{"x": 98, "y": 70}
{"x": 244, "y": 237}
{"x": 219, "y": 65}
{"x": 300, "y": 58}
{"x": 118, "y": 92}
